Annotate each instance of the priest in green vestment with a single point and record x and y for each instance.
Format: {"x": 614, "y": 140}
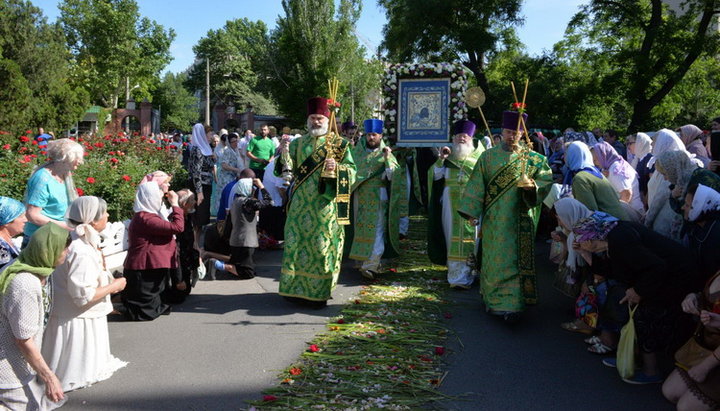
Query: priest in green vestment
{"x": 376, "y": 197}
{"x": 318, "y": 206}
{"x": 508, "y": 215}
{"x": 446, "y": 184}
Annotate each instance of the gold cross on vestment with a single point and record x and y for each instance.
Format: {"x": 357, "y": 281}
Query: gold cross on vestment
{"x": 344, "y": 182}
{"x": 303, "y": 169}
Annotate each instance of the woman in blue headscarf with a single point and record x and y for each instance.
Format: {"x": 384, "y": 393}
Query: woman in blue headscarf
{"x": 588, "y": 184}
{"x": 12, "y": 223}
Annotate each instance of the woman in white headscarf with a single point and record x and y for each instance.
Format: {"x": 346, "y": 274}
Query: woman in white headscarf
{"x": 201, "y": 165}
{"x": 660, "y": 216}
{"x": 76, "y": 345}
{"x": 151, "y": 253}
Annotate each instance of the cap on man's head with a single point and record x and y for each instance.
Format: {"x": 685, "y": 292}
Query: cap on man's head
{"x": 373, "y": 125}
{"x": 510, "y": 120}
{"x": 464, "y": 127}
{"x": 318, "y": 105}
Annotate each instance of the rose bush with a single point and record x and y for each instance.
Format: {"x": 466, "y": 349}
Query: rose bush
{"x": 113, "y": 167}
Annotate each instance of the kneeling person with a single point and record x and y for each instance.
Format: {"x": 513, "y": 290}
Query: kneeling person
{"x": 375, "y": 201}
{"x": 243, "y": 237}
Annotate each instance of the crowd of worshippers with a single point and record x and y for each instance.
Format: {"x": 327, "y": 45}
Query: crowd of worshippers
{"x": 636, "y": 229}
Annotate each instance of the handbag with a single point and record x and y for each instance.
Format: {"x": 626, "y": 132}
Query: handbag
{"x": 692, "y": 352}
{"x": 626, "y": 347}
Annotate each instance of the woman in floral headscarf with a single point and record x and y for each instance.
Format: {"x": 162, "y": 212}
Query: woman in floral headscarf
{"x": 23, "y": 306}
{"x": 691, "y": 136}
{"x": 659, "y": 273}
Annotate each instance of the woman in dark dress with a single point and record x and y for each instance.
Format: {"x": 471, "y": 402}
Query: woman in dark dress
{"x": 152, "y": 252}
{"x": 659, "y": 273}
{"x": 201, "y": 164}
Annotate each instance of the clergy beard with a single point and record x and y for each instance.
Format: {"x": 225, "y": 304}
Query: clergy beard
{"x": 317, "y": 132}
{"x": 461, "y": 151}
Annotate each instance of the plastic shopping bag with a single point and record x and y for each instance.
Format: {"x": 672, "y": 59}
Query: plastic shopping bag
{"x": 626, "y": 347}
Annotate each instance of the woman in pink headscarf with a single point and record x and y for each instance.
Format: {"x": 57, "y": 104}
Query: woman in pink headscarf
{"x": 620, "y": 173}
{"x": 691, "y": 137}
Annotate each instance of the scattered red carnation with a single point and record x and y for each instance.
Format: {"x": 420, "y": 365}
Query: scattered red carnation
{"x": 340, "y": 321}
{"x": 313, "y": 348}
{"x": 295, "y": 371}
{"x": 439, "y": 350}
{"x": 269, "y": 398}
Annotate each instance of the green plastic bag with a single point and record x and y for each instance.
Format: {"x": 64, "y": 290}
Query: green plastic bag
{"x": 626, "y": 347}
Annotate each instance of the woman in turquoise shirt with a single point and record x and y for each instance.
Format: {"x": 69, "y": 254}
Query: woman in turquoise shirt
{"x": 50, "y": 188}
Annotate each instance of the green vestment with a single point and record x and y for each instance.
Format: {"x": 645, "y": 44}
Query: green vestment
{"x": 313, "y": 234}
{"x": 509, "y": 219}
{"x": 366, "y": 194}
{"x": 462, "y": 235}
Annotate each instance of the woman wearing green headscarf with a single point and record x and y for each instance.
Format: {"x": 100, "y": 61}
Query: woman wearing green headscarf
{"x": 22, "y": 315}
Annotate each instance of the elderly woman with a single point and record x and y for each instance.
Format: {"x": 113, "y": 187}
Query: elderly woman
{"x": 683, "y": 173}
{"x": 695, "y": 383}
{"x": 12, "y": 222}
{"x": 620, "y": 173}
{"x": 660, "y": 215}
{"x": 691, "y": 136}
{"x": 200, "y": 166}
{"x": 151, "y": 253}
{"x": 22, "y": 315}
{"x": 641, "y": 150}
{"x": 50, "y": 188}
{"x": 77, "y": 343}
{"x": 588, "y": 184}
{"x": 659, "y": 273}
{"x": 231, "y": 162}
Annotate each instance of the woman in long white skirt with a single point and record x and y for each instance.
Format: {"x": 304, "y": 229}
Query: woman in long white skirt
{"x": 76, "y": 342}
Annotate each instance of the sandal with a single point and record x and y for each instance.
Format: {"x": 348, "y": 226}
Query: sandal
{"x": 600, "y": 349}
{"x": 593, "y": 340}
{"x": 572, "y": 327}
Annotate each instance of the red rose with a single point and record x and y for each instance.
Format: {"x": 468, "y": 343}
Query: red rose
{"x": 313, "y": 348}
{"x": 80, "y": 192}
{"x": 99, "y": 144}
{"x": 126, "y": 177}
{"x": 439, "y": 350}
{"x": 295, "y": 371}
{"x": 112, "y": 153}
{"x": 34, "y": 143}
{"x": 114, "y": 160}
{"x": 43, "y": 152}
{"x": 269, "y": 398}
{"x": 90, "y": 180}
{"x": 24, "y": 139}
{"x": 158, "y": 148}
{"x": 340, "y": 321}
{"x": 6, "y": 147}
{"x": 28, "y": 132}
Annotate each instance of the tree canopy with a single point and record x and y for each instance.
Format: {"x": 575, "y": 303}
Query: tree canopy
{"x": 471, "y": 31}
{"x": 111, "y": 43}
{"x": 178, "y": 107}
{"x": 39, "y": 83}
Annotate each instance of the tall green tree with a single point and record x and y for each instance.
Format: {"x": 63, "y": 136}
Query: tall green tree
{"x": 178, "y": 107}
{"x": 239, "y": 65}
{"x": 314, "y": 42}
{"x": 649, "y": 46}
{"x": 38, "y": 83}
{"x": 449, "y": 30}
{"x": 112, "y": 43}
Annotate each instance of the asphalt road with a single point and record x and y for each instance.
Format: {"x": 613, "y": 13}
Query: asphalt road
{"x": 228, "y": 341}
